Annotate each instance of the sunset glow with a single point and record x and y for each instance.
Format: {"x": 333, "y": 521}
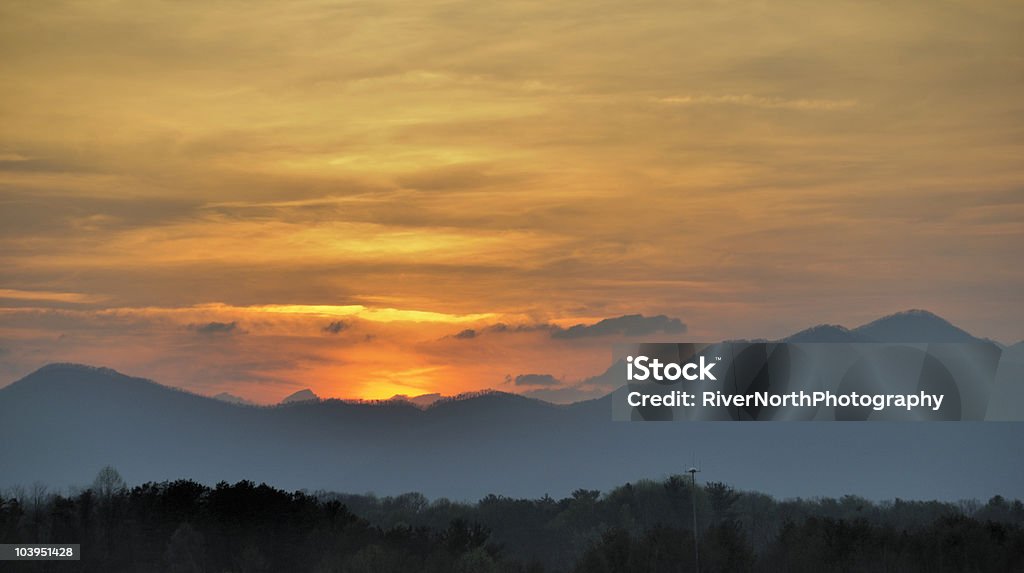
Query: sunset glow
{"x": 379, "y": 198}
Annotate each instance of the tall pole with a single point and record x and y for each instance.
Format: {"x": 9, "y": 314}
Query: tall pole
{"x": 696, "y": 546}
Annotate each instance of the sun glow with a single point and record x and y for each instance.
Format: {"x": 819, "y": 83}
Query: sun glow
{"x": 373, "y": 314}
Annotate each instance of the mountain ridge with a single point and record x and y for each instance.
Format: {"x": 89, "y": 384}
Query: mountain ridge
{"x": 906, "y": 326}
{"x": 65, "y": 421}
{"x": 901, "y": 325}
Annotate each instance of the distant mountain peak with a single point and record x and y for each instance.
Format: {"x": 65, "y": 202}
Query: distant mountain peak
{"x": 81, "y": 373}
{"x": 304, "y": 395}
{"x": 915, "y": 325}
{"x": 232, "y": 399}
{"x": 913, "y": 313}
{"x": 422, "y": 400}
{"x": 76, "y": 367}
{"x": 908, "y": 326}
{"x": 824, "y": 333}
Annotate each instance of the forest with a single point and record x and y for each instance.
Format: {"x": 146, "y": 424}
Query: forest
{"x": 184, "y": 526}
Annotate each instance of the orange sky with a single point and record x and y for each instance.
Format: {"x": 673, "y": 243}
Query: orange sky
{"x": 416, "y": 169}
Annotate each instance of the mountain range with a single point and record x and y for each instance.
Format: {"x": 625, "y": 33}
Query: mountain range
{"x": 62, "y": 423}
{"x": 908, "y": 326}
{"x": 232, "y": 399}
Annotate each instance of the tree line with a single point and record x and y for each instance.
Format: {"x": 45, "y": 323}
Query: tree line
{"x": 184, "y": 526}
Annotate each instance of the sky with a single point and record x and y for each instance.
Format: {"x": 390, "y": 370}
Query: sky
{"x": 407, "y": 197}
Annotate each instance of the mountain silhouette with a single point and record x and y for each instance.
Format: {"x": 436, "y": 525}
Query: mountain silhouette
{"x": 913, "y": 326}
{"x": 825, "y": 333}
{"x": 64, "y": 422}
{"x": 232, "y": 399}
{"x": 422, "y": 400}
{"x": 304, "y": 395}
{"x": 908, "y": 326}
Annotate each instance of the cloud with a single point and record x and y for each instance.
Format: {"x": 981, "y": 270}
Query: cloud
{"x": 216, "y": 327}
{"x": 502, "y": 327}
{"x": 336, "y": 327}
{"x": 587, "y": 389}
{"x": 761, "y": 186}
{"x": 536, "y": 380}
{"x": 627, "y": 325}
{"x": 803, "y": 104}
{"x": 48, "y": 296}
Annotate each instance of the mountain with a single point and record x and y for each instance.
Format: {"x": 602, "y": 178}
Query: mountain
{"x": 913, "y": 326}
{"x": 907, "y": 326}
{"x": 232, "y": 399}
{"x": 304, "y": 395}
{"x": 423, "y": 400}
{"x": 825, "y": 333}
{"x": 64, "y": 422}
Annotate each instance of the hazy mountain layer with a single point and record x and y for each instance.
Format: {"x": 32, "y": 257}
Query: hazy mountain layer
{"x": 64, "y": 422}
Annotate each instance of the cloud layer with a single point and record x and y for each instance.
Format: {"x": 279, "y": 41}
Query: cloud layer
{"x": 629, "y": 325}
{"x": 423, "y": 171}
{"x": 536, "y": 380}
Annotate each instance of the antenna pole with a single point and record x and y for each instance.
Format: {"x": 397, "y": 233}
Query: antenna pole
{"x": 696, "y": 546}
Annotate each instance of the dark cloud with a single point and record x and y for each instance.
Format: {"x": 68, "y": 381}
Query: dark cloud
{"x": 502, "y": 327}
{"x": 336, "y": 327}
{"x": 627, "y": 325}
{"x": 215, "y": 327}
{"x": 536, "y": 380}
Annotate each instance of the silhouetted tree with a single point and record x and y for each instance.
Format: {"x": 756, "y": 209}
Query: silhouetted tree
{"x": 185, "y": 526}
{"x": 108, "y": 483}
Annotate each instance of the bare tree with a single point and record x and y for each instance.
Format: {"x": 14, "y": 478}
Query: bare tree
{"x": 108, "y": 483}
